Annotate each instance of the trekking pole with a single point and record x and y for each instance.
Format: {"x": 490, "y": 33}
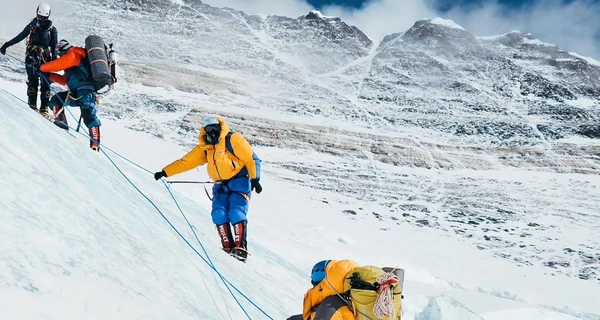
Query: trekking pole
{"x": 78, "y": 124}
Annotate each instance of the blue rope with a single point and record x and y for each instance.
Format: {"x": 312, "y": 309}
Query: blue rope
{"x": 222, "y": 278}
{"x": 188, "y": 222}
{"x": 209, "y": 262}
{"x": 73, "y": 116}
{"x": 200, "y": 243}
{"x": 170, "y": 224}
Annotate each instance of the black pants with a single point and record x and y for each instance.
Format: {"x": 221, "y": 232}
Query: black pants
{"x": 34, "y": 60}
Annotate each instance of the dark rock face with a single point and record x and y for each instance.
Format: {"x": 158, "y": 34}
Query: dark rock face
{"x": 489, "y": 88}
{"x": 472, "y": 103}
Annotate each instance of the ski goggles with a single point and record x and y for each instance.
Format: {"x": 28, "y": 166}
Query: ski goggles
{"x": 212, "y": 129}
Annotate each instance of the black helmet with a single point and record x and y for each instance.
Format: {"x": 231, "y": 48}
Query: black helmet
{"x": 63, "y": 47}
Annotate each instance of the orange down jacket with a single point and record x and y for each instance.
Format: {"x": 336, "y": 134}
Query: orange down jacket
{"x": 332, "y": 285}
{"x": 221, "y": 164}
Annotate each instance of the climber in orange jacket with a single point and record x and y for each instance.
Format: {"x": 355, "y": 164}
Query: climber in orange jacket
{"x": 235, "y": 168}
{"x": 81, "y": 88}
{"x": 325, "y": 301}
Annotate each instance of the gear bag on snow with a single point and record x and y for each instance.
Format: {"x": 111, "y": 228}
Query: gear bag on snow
{"x": 101, "y": 61}
{"x": 375, "y": 293}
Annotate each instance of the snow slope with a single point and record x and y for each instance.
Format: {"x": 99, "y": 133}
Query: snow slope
{"x": 494, "y": 141}
{"x": 79, "y": 242}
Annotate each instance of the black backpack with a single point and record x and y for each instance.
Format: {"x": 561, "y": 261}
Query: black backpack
{"x": 101, "y": 63}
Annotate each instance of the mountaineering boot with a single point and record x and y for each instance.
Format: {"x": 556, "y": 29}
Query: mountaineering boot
{"x": 59, "y": 114}
{"x": 95, "y": 138}
{"x": 32, "y": 97}
{"x": 44, "y": 102}
{"x": 240, "y": 251}
{"x": 224, "y": 231}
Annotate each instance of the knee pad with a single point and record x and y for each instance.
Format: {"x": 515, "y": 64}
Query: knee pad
{"x": 31, "y": 90}
{"x": 46, "y": 95}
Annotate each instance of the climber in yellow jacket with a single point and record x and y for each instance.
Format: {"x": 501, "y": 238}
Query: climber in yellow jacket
{"x": 235, "y": 168}
{"x": 325, "y": 301}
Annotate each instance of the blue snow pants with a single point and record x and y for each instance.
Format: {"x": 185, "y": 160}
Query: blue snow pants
{"x": 231, "y": 200}
{"x": 84, "y": 99}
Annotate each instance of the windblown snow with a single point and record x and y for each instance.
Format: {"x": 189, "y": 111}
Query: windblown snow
{"x": 447, "y": 23}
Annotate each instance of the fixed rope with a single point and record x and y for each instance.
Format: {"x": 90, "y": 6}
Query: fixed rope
{"x": 198, "y": 240}
{"x": 73, "y": 116}
{"x": 101, "y": 149}
{"x": 168, "y": 222}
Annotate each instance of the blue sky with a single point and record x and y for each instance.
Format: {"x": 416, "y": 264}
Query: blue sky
{"x": 443, "y": 5}
{"x": 519, "y": 10}
{"x": 348, "y": 3}
{"x": 573, "y": 25}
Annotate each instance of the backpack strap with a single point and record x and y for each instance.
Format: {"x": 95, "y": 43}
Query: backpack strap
{"x": 328, "y": 307}
{"x": 33, "y": 27}
{"x": 228, "y": 143}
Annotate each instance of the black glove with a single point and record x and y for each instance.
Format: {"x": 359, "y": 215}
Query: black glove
{"x": 3, "y": 48}
{"x": 256, "y": 185}
{"x": 159, "y": 175}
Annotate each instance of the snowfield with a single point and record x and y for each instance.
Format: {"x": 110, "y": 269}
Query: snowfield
{"x": 471, "y": 162}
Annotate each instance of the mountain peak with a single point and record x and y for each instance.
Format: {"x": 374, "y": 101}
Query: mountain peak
{"x": 440, "y": 32}
{"x": 517, "y": 38}
{"x": 446, "y": 23}
{"x": 314, "y": 14}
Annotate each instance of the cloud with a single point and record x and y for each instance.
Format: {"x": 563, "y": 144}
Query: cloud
{"x": 572, "y": 25}
{"x": 382, "y": 17}
{"x": 288, "y": 8}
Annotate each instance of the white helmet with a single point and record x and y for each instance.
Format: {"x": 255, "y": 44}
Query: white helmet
{"x": 43, "y": 11}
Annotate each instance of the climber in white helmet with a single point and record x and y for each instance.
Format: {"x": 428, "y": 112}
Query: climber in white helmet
{"x": 41, "y": 48}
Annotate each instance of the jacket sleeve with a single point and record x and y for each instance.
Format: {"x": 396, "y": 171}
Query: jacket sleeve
{"x": 54, "y": 42}
{"x": 307, "y": 303}
{"x": 306, "y": 306}
{"x": 67, "y": 61}
{"x": 191, "y": 160}
{"x": 20, "y": 37}
{"x": 58, "y": 78}
{"x": 242, "y": 149}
